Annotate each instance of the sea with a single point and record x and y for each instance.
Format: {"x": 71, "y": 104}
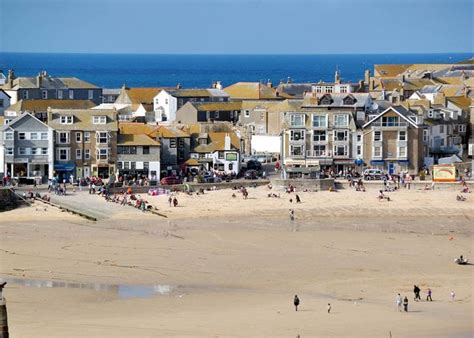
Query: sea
{"x": 191, "y": 71}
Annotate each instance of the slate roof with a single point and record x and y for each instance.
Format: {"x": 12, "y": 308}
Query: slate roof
{"x": 43, "y": 105}
{"x": 83, "y": 119}
{"x": 136, "y": 140}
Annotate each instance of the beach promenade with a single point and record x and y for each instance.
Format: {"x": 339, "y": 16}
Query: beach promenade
{"x": 226, "y": 266}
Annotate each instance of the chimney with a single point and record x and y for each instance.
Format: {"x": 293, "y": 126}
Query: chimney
{"x": 218, "y": 85}
{"x": 227, "y": 142}
{"x": 11, "y": 77}
{"x": 337, "y": 77}
{"x": 178, "y": 86}
{"x": 269, "y": 84}
{"x": 367, "y": 77}
{"x": 38, "y": 79}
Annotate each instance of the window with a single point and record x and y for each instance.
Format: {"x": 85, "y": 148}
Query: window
{"x": 119, "y": 165}
{"x": 329, "y": 89}
{"x": 319, "y": 136}
{"x": 296, "y": 150}
{"x": 341, "y": 120}
{"x": 9, "y": 151}
{"x": 172, "y": 143}
{"x": 44, "y": 151}
{"x": 1, "y": 102}
{"x": 390, "y": 121}
{"x": 60, "y": 94}
{"x": 63, "y": 137}
{"x": 181, "y": 142}
{"x": 102, "y": 153}
{"x": 34, "y": 136}
{"x": 402, "y": 135}
{"x": 8, "y": 136}
{"x": 247, "y": 113}
{"x": 319, "y": 150}
{"x": 44, "y": 136}
{"x": 402, "y": 151}
{"x": 78, "y": 154}
{"x": 441, "y": 142}
{"x": 462, "y": 128}
{"x": 78, "y": 137}
{"x": 343, "y": 89}
{"x": 231, "y": 166}
{"x": 425, "y": 135}
{"x": 90, "y": 94}
{"x": 216, "y": 115}
{"x": 87, "y": 154}
{"x": 44, "y": 94}
{"x": 133, "y": 165}
{"x": 65, "y": 119}
{"x": 297, "y": 120}
{"x": 377, "y": 152}
{"x": 126, "y": 150}
{"x": 359, "y": 150}
{"x": 146, "y": 150}
{"x": 25, "y": 95}
{"x": 341, "y": 150}
{"x": 101, "y": 137}
{"x": 319, "y": 121}
{"x": 377, "y": 136}
{"x": 99, "y": 120}
{"x": 126, "y": 165}
{"x": 220, "y": 155}
{"x": 296, "y": 135}
{"x": 63, "y": 154}
{"x": 319, "y": 89}
{"x": 87, "y": 137}
{"x": 71, "y": 94}
{"x": 22, "y": 136}
{"x": 441, "y": 128}
{"x": 341, "y": 135}
{"x": 359, "y": 138}
{"x": 146, "y": 165}
{"x": 36, "y": 151}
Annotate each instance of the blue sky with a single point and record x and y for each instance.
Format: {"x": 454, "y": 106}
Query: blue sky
{"x": 237, "y": 26}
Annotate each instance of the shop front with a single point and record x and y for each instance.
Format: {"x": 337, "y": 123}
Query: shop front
{"x": 64, "y": 170}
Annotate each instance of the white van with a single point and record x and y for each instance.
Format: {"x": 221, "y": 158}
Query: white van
{"x": 373, "y": 174}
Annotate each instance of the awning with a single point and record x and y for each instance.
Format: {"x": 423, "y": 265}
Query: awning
{"x": 294, "y": 162}
{"x": 66, "y": 166}
{"x": 343, "y": 161}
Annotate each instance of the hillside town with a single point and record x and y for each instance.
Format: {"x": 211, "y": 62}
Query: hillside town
{"x": 398, "y": 119}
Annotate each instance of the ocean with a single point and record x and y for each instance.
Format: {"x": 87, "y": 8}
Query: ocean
{"x": 148, "y": 70}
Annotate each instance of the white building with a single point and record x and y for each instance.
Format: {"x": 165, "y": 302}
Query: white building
{"x": 4, "y": 102}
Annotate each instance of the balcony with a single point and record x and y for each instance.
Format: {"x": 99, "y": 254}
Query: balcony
{"x": 381, "y": 124}
{"x": 318, "y": 154}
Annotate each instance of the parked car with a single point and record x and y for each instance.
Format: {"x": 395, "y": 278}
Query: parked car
{"x": 251, "y": 175}
{"x": 170, "y": 180}
{"x": 254, "y": 165}
{"x": 373, "y": 174}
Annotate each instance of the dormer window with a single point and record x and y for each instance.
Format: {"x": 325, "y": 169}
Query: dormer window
{"x": 99, "y": 119}
{"x": 326, "y": 100}
{"x": 349, "y": 100}
{"x": 64, "y": 119}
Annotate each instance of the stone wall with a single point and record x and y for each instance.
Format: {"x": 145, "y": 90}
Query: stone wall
{"x": 300, "y": 184}
{"x": 8, "y": 199}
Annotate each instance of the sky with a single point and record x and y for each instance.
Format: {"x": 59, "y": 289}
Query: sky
{"x": 237, "y": 26}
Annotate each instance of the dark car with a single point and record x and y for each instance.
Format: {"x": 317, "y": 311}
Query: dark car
{"x": 254, "y": 165}
{"x": 251, "y": 175}
{"x": 170, "y": 180}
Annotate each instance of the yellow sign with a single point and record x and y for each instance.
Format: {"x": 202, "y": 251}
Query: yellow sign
{"x": 444, "y": 173}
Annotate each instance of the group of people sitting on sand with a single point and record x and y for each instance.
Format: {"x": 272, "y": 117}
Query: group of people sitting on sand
{"x": 126, "y": 198}
{"x": 382, "y": 196}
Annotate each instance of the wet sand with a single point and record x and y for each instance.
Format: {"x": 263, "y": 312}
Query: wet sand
{"x": 232, "y": 267}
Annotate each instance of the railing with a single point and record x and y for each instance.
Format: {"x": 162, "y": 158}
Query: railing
{"x": 314, "y": 153}
{"x": 389, "y": 124}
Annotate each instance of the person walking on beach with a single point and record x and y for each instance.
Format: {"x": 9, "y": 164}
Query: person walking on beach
{"x": 405, "y": 304}
{"x": 296, "y": 302}
{"x": 416, "y": 291}
{"x": 399, "y": 302}
{"x": 175, "y": 202}
{"x": 329, "y": 307}
{"x": 170, "y": 200}
{"x": 292, "y": 215}
{"x": 452, "y": 295}
{"x": 298, "y": 200}
{"x": 428, "y": 295}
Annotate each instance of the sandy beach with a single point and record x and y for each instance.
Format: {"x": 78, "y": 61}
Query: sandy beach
{"x": 222, "y": 266}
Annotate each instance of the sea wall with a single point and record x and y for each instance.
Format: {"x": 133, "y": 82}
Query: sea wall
{"x": 301, "y": 184}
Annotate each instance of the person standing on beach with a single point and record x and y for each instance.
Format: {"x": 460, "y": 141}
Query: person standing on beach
{"x": 452, "y": 295}
{"x": 416, "y": 291}
{"x": 428, "y": 295}
{"x": 175, "y": 202}
{"x": 296, "y": 302}
{"x": 399, "y": 302}
{"x": 405, "y": 304}
{"x": 329, "y": 307}
{"x": 298, "y": 200}
{"x": 170, "y": 201}
{"x": 292, "y": 215}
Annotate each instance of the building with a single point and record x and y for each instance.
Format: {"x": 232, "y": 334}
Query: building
{"x": 175, "y": 147}
{"x": 393, "y": 141}
{"x": 322, "y": 133}
{"x": 110, "y": 95}
{"x": 216, "y": 151}
{"x": 39, "y": 108}
{"x": 85, "y": 142}
{"x": 4, "y": 102}
{"x": 168, "y": 102}
{"x": 242, "y": 91}
{"x": 45, "y": 87}
{"x": 136, "y": 104}
{"x": 204, "y": 112}
{"x": 26, "y": 149}
{"x": 138, "y": 153}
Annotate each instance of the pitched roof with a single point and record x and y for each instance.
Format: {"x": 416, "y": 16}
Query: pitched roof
{"x": 136, "y": 128}
{"x": 461, "y": 101}
{"x": 254, "y": 91}
{"x": 43, "y": 105}
{"x": 138, "y": 95}
{"x": 170, "y": 132}
{"x": 198, "y": 92}
{"x": 83, "y": 119}
{"x": 337, "y": 100}
{"x": 136, "y": 140}
{"x": 217, "y": 142}
{"x": 20, "y": 117}
{"x": 217, "y": 106}
{"x": 400, "y": 110}
{"x": 49, "y": 82}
